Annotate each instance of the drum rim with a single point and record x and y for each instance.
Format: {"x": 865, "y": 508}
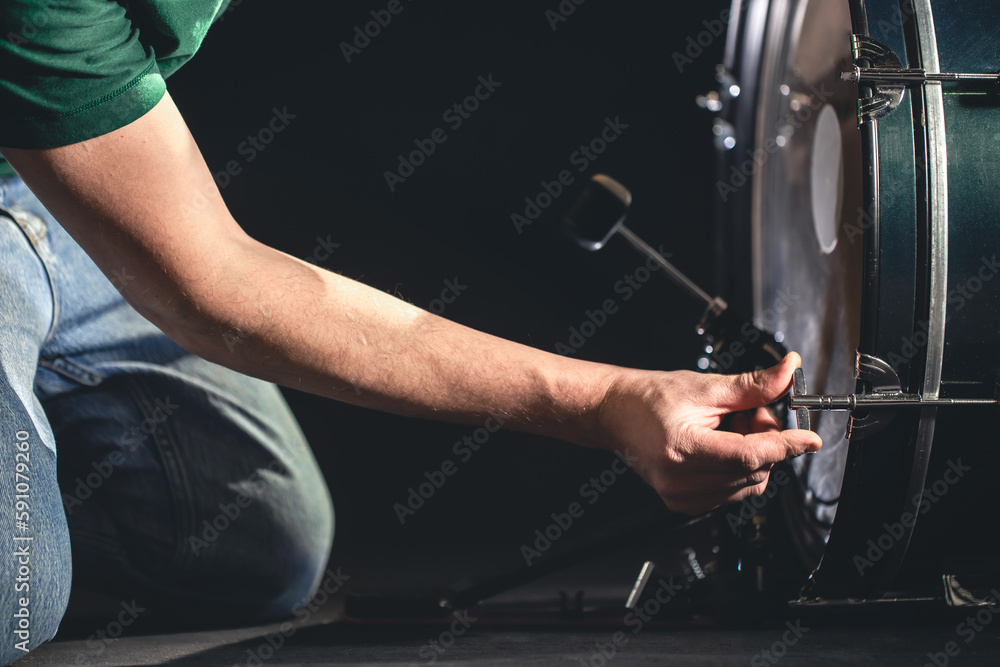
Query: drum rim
{"x": 930, "y": 304}
{"x": 937, "y": 213}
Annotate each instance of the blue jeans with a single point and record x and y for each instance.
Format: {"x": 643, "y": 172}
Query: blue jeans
{"x": 179, "y": 481}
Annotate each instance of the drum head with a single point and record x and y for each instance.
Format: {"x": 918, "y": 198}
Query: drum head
{"x": 807, "y": 266}
{"x": 805, "y": 196}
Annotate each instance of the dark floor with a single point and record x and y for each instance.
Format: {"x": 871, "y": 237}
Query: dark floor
{"x": 492, "y": 636}
{"x": 325, "y": 641}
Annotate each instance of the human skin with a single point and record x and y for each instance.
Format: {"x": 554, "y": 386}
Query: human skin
{"x": 201, "y": 279}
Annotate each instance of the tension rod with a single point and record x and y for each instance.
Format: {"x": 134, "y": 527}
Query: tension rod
{"x": 853, "y": 401}
{"x": 884, "y": 75}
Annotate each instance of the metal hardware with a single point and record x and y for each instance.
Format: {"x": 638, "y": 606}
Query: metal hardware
{"x": 710, "y": 101}
{"x": 888, "y": 79}
{"x": 845, "y": 402}
{"x": 885, "y": 96}
{"x": 725, "y": 135}
{"x": 715, "y": 100}
{"x": 908, "y": 77}
{"x": 599, "y": 213}
{"x": 802, "y": 416}
{"x": 727, "y": 81}
{"x": 714, "y": 304}
{"x": 640, "y": 584}
{"x": 877, "y": 405}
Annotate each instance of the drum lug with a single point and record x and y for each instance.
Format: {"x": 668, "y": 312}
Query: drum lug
{"x": 875, "y": 407}
{"x": 873, "y": 373}
{"x": 715, "y": 101}
{"x": 885, "y": 96}
{"x": 725, "y": 135}
{"x": 710, "y": 101}
{"x": 729, "y": 89}
{"x": 878, "y": 378}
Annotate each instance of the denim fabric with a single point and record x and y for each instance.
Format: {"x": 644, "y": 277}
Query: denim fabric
{"x": 178, "y": 480}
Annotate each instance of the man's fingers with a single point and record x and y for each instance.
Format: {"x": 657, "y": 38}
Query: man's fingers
{"x": 752, "y": 390}
{"x": 747, "y": 492}
{"x": 756, "y": 421}
{"x": 740, "y": 422}
{"x": 694, "y": 504}
{"x": 764, "y": 420}
{"x": 723, "y": 451}
{"x": 727, "y": 483}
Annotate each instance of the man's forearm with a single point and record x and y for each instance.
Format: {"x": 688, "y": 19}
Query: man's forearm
{"x": 287, "y": 321}
{"x": 222, "y": 295}
{"x": 236, "y": 302}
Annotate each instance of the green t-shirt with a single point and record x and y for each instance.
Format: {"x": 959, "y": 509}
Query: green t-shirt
{"x": 72, "y": 70}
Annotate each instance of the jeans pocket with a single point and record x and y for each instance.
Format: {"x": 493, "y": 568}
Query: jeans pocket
{"x": 33, "y": 226}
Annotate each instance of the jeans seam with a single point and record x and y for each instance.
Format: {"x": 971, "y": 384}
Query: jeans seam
{"x": 177, "y": 483}
{"x": 41, "y": 249}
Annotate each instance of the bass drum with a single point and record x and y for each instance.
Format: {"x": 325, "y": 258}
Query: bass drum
{"x": 879, "y": 239}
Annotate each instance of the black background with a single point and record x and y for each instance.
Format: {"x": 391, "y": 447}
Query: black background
{"x": 323, "y": 176}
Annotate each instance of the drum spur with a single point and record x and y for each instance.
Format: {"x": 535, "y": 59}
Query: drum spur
{"x": 872, "y": 410}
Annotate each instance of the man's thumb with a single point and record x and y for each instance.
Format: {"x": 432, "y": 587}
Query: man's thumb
{"x": 763, "y": 387}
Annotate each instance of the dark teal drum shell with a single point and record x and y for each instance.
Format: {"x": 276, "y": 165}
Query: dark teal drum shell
{"x": 909, "y": 469}
{"x": 968, "y": 41}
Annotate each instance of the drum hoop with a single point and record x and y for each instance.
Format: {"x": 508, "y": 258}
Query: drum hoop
{"x": 937, "y": 213}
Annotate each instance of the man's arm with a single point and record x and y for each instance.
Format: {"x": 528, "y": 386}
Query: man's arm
{"x": 125, "y": 197}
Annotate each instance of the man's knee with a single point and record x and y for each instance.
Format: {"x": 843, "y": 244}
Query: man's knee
{"x": 291, "y": 578}
{"x": 268, "y": 551}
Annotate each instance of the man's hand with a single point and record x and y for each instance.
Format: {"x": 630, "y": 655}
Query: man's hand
{"x": 668, "y": 421}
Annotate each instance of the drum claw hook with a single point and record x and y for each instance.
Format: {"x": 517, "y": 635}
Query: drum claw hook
{"x": 879, "y": 396}
{"x": 878, "y": 383}
{"x": 875, "y": 377}
{"x": 879, "y": 70}
{"x": 884, "y": 96}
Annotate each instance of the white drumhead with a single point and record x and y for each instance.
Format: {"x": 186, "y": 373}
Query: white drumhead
{"x": 826, "y": 183}
{"x": 807, "y": 197}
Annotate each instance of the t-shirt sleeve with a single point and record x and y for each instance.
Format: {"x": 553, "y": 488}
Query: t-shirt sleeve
{"x": 71, "y": 70}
